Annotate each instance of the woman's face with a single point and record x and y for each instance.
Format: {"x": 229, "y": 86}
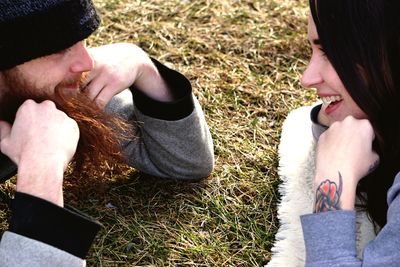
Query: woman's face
{"x": 321, "y": 75}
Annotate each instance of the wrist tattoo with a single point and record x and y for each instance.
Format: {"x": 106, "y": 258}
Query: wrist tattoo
{"x": 328, "y": 196}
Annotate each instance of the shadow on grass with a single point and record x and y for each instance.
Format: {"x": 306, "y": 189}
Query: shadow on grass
{"x": 141, "y": 215}
{"x": 138, "y": 188}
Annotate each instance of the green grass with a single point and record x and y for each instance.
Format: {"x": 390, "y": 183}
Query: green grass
{"x": 244, "y": 59}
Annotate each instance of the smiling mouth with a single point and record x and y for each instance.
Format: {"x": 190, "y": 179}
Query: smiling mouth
{"x": 331, "y": 100}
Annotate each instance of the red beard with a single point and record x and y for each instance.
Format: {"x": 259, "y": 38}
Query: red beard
{"x": 101, "y": 133}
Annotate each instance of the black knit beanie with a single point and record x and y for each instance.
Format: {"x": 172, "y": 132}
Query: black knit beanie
{"x": 33, "y": 28}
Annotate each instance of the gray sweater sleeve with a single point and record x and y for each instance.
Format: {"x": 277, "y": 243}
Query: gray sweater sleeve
{"x": 180, "y": 149}
{"x": 17, "y": 250}
{"x": 330, "y": 237}
{"x": 172, "y": 138}
{"x": 43, "y": 234}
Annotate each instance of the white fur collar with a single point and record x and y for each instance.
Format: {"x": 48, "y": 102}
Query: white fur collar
{"x": 296, "y": 171}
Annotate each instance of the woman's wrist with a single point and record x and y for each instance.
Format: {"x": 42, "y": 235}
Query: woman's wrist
{"x": 334, "y": 192}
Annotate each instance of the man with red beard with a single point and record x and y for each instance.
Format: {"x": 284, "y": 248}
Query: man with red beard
{"x": 60, "y": 101}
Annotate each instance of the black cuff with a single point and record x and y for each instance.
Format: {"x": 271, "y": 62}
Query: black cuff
{"x": 63, "y": 228}
{"x": 170, "y": 111}
{"x": 314, "y": 114}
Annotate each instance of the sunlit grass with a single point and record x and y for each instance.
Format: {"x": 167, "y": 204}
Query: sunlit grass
{"x": 244, "y": 59}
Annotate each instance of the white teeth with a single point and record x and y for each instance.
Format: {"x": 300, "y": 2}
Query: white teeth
{"x": 329, "y": 99}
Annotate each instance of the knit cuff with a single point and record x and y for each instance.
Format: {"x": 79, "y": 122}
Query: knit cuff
{"x": 170, "y": 111}
{"x": 329, "y": 235}
{"x": 63, "y": 228}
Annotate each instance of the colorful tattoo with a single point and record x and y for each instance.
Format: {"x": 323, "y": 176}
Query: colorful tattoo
{"x": 328, "y": 196}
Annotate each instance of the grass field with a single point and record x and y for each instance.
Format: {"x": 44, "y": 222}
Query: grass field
{"x": 244, "y": 59}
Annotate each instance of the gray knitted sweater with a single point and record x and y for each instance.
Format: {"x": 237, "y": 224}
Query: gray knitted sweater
{"x": 330, "y": 237}
{"x": 173, "y": 141}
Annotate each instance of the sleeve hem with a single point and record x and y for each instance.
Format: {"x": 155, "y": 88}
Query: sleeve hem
{"x": 170, "y": 111}
{"x": 63, "y": 228}
{"x": 329, "y": 235}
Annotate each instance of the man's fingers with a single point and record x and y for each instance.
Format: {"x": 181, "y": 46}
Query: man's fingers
{"x": 104, "y": 96}
{"x": 93, "y": 89}
{"x": 86, "y": 78}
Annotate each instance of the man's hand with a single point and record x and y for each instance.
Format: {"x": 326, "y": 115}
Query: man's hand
{"x": 344, "y": 157}
{"x": 42, "y": 141}
{"x": 119, "y": 66}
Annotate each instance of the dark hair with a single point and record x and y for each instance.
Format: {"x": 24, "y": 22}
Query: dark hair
{"x": 362, "y": 41}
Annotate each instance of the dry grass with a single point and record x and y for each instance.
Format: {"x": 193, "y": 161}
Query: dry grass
{"x": 244, "y": 59}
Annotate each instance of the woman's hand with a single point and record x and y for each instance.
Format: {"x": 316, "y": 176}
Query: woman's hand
{"x": 344, "y": 157}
